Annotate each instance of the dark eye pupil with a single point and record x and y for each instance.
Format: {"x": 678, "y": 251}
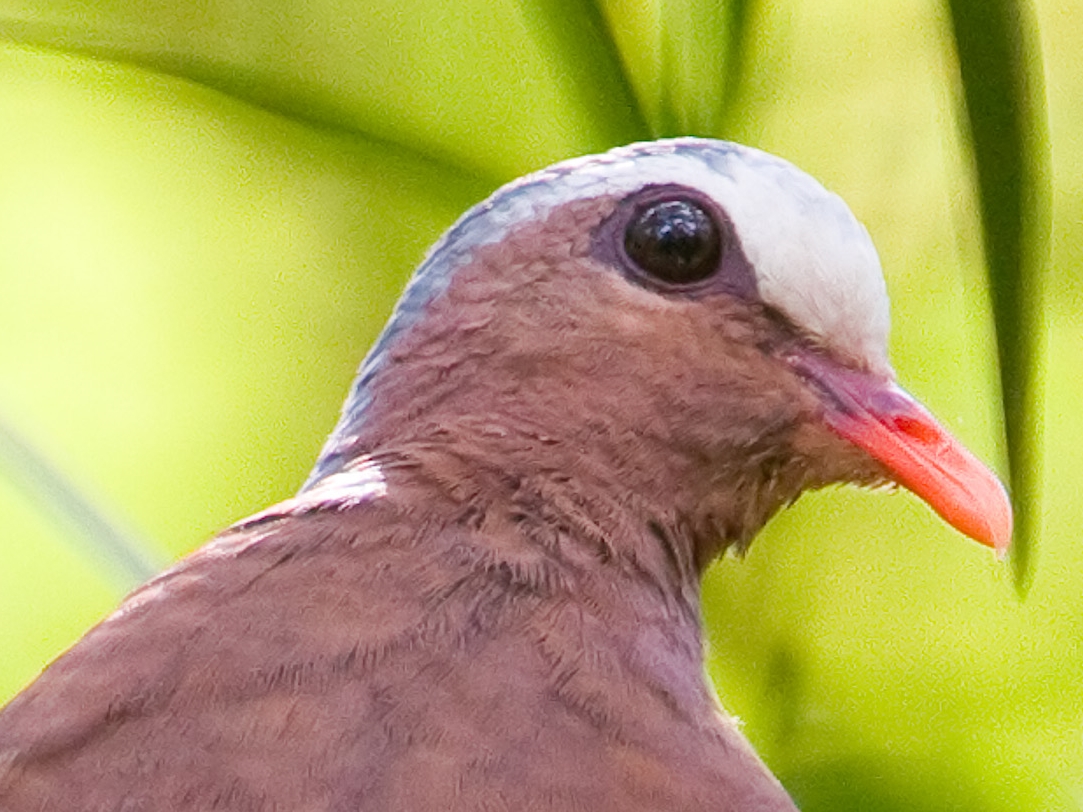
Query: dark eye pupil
{"x": 675, "y": 241}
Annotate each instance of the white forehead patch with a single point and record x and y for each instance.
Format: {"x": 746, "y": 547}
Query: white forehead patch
{"x": 813, "y": 260}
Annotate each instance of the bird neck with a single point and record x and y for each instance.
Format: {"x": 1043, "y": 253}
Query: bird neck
{"x": 619, "y": 587}
{"x": 599, "y": 563}
{"x": 601, "y": 505}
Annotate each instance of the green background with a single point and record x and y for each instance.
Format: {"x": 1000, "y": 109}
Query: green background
{"x": 207, "y": 212}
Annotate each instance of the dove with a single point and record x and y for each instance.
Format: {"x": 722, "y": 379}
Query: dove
{"x": 486, "y": 595}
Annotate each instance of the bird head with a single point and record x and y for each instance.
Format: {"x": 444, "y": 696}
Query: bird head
{"x": 696, "y": 323}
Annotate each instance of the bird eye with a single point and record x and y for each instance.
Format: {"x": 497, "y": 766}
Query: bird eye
{"x": 675, "y": 241}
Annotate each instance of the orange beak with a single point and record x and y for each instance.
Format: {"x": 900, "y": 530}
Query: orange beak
{"x": 879, "y": 417}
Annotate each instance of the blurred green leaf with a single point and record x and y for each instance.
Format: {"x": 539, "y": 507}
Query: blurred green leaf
{"x": 888, "y": 782}
{"x": 684, "y": 58}
{"x": 104, "y": 542}
{"x": 577, "y": 36}
{"x": 1000, "y": 68}
{"x": 428, "y": 76}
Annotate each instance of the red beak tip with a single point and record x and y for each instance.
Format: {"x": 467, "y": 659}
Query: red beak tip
{"x": 1001, "y": 534}
{"x": 987, "y": 520}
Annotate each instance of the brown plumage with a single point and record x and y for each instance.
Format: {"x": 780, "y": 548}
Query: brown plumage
{"x": 486, "y": 597}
